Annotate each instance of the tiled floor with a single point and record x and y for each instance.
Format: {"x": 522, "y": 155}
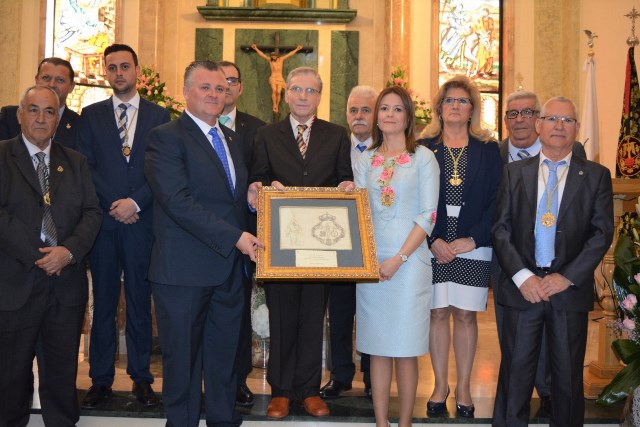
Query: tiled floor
{"x": 354, "y": 408}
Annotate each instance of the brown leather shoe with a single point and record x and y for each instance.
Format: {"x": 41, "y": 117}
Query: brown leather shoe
{"x": 278, "y": 408}
{"x": 315, "y": 406}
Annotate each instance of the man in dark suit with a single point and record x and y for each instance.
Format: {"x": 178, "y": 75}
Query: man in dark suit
{"x": 245, "y": 125}
{"x": 112, "y": 135}
{"x": 342, "y": 296}
{"x": 57, "y": 74}
{"x": 303, "y": 151}
{"x": 523, "y": 109}
{"x": 49, "y": 217}
{"x": 199, "y": 180}
{"x": 553, "y": 224}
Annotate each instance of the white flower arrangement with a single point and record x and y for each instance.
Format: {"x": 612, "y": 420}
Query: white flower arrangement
{"x": 259, "y": 312}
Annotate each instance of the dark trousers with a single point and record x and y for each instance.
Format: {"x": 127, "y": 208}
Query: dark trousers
{"x": 243, "y": 358}
{"x": 124, "y": 249}
{"x": 296, "y": 316}
{"x": 567, "y": 337}
{"x": 543, "y": 375}
{"x": 199, "y": 329}
{"x": 342, "y": 309}
{"x": 42, "y": 318}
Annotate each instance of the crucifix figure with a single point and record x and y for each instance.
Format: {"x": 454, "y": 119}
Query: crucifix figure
{"x": 633, "y": 15}
{"x": 276, "y": 63}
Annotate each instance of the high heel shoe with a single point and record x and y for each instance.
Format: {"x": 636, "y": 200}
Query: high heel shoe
{"x": 465, "y": 411}
{"x": 436, "y": 408}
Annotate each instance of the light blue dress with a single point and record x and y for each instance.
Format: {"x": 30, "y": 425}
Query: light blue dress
{"x": 393, "y": 316}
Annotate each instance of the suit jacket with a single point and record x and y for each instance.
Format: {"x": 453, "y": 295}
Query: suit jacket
{"x": 482, "y": 178}
{"x": 197, "y": 219}
{"x": 277, "y": 158}
{"x": 114, "y": 177}
{"x": 578, "y": 150}
{"x": 583, "y": 234}
{"x": 75, "y": 211}
{"x": 66, "y": 133}
{"x": 246, "y": 127}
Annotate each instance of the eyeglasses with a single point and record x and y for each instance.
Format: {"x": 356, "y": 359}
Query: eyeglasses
{"x": 526, "y": 113}
{"x": 462, "y": 101}
{"x": 308, "y": 90}
{"x": 555, "y": 119}
{"x": 234, "y": 81}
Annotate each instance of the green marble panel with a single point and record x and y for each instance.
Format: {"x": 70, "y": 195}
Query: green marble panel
{"x": 344, "y": 72}
{"x": 256, "y": 99}
{"x": 209, "y": 44}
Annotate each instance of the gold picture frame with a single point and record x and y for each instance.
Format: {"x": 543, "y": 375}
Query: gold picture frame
{"x": 315, "y": 234}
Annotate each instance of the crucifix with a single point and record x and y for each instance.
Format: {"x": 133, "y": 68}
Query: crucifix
{"x": 276, "y": 63}
{"x": 632, "y": 41}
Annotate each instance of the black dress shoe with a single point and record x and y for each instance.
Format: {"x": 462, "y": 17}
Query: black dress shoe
{"x": 244, "y": 396}
{"x": 367, "y": 391}
{"x": 96, "y": 396}
{"x": 333, "y": 388}
{"x": 437, "y": 408}
{"x": 545, "y": 404}
{"x": 144, "y": 393}
{"x": 465, "y": 411}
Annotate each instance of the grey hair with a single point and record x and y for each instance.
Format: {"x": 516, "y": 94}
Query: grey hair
{"x": 559, "y": 99}
{"x": 304, "y": 70}
{"x": 23, "y": 98}
{"x": 523, "y": 94}
{"x": 363, "y": 91}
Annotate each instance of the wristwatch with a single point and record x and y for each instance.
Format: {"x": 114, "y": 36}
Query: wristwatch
{"x": 403, "y": 257}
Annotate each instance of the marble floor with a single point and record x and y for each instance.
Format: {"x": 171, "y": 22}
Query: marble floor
{"x": 354, "y": 408}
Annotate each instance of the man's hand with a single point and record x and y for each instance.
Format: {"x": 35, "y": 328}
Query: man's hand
{"x": 55, "y": 259}
{"x": 347, "y": 186}
{"x": 532, "y": 290}
{"x": 248, "y": 245}
{"x": 554, "y": 284}
{"x": 124, "y": 210}
{"x": 442, "y": 251}
{"x": 252, "y": 194}
{"x": 278, "y": 185}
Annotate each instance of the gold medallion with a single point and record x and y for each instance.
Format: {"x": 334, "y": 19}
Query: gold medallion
{"x": 47, "y": 199}
{"x": 387, "y": 199}
{"x": 455, "y": 180}
{"x": 548, "y": 219}
{"x": 126, "y": 150}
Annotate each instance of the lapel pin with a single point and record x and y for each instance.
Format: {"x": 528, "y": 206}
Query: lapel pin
{"x": 60, "y": 169}
{"x": 68, "y": 126}
{"x": 580, "y": 173}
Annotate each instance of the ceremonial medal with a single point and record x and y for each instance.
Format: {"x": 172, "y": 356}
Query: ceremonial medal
{"x": 47, "y": 199}
{"x": 455, "y": 179}
{"x": 126, "y": 150}
{"x": 548, "y": 219}
{"x": 387, "y": 198}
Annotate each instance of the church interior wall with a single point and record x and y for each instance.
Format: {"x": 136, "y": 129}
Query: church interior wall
{"x": 549, "y": 47}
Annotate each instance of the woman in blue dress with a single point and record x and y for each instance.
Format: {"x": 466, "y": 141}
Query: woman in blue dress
{"x": 393, "y": 314}
{"x": 470, "y": 170}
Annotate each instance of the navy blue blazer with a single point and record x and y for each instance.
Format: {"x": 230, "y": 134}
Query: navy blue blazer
{"x": 197, "y": 219}
{"x": 482, "y": 177}
{"x": 66, "y": 133}
{"x": 113, "y": 176}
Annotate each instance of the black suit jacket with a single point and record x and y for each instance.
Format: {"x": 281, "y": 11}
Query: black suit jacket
{"x": 197, "y": 221}
{"x": 583, "y": 235}
{"x": 277, "y": 158}
{"x": 246, "y": 127}
{"x": 578, "y": 150}
{"x": 75, "y": 211}
{"x": 66, "y": 133}
{"x": 113, "y": 176}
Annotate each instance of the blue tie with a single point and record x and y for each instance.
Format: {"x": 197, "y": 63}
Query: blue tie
{"x": 218, "y": 146}
{"x": 523, "y": 154}
{"x": 361, "y": 147}
{"x": 545, "y": 235}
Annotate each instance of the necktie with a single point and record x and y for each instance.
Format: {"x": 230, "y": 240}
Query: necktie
{"x": 225, "y": 120}
{"x": 123, "y": 130}
{"x": 302, "y": 146}
{"x": 48, "y": 226}
{"x": 361, "y": 147}
{"x": 218, "y": 146}
{"x": 523, "y": 154}
{"x": 545, "y": 234}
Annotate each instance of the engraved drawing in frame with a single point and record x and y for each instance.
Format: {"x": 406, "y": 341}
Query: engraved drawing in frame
{"x": 315, "y": 234}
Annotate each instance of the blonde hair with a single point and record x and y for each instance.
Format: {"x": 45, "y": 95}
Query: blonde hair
{"x": 475, "y": 129}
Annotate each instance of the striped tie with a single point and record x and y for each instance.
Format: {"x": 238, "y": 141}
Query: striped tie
{"x": 545, "y": 235}
{"x": 302, "y": 146}
{"x": 523, "y": 154}
{"x": 48, "y": 226}
{"x": 122, "y": 122}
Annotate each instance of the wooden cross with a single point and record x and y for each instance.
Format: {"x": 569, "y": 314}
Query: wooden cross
{"x": 276, "y": 48}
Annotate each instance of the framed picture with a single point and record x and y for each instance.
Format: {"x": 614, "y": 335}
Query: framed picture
{"x": 316, "y": 234}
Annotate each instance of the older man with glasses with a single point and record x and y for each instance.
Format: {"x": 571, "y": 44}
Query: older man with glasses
{"x": 523, "y": 109}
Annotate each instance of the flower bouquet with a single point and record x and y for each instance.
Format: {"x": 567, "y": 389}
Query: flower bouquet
{"x": 152, "y": 89}
{"x": 260, "y": 326}
{"x": 422, "y": 110}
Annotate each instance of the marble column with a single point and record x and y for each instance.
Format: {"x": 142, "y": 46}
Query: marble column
{"x": 397, "y": 35}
